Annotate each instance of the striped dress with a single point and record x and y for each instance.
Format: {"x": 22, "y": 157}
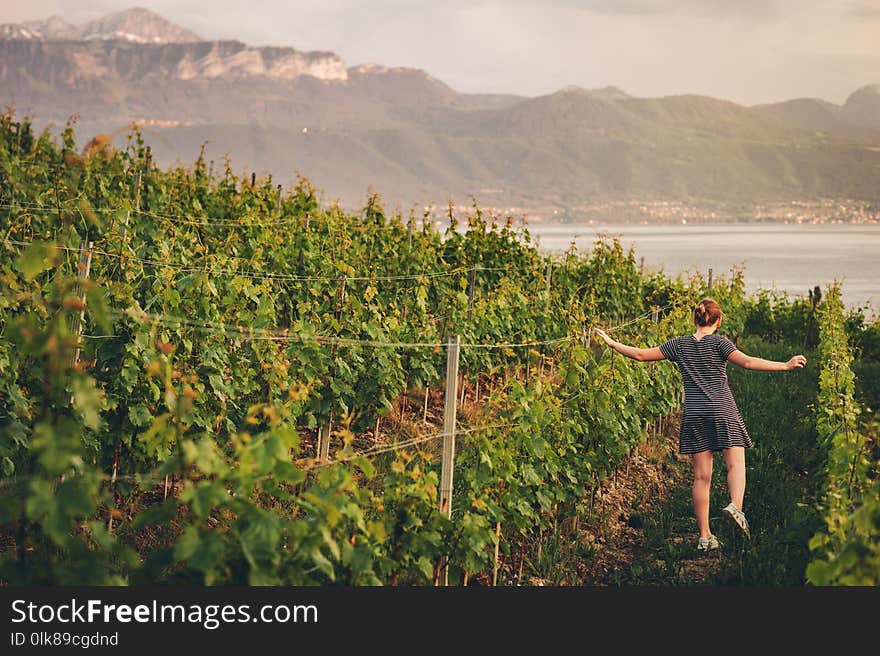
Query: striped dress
{"x": 711, "y": 419}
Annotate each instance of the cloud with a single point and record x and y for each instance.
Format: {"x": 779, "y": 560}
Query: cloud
{"x": 750, "y": 51}
{"x": 862, "y": 11}
{"x": 15, "y": 11}
{"x": 718, "y": 9}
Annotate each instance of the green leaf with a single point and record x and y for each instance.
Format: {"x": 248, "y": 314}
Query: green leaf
{"x": 204, "y": 496}
{"x": 323, "y": 564}
{"x": 364, "y": 464}
{"x": 330, "y": 542}
{"x": 57, "y": 510}
{"x": 87, "y": 399}
{"x": 260, "y": 539}
{"x": 160, "y": 514}
{"x": 426, "y": 567}
{"x": 203, "y": 454}
{"x": 35, "y": 259}
{"x": 187, "y": 544}
{"x": 17, "y": 431}
{"x": 97, "y": 305}
{"x": 139, "y": 414}
{"x": 59, "y": 446}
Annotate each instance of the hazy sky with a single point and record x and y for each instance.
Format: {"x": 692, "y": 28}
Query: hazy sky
{"x": 750, "y": 51}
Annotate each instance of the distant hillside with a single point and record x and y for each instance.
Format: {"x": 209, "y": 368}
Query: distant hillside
{"x": 857, "y": 118}
{"x": 863, "y": 106}
{"x": 413, "y": 138}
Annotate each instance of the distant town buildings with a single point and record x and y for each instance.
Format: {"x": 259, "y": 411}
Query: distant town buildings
{"x": 824, "y": 211}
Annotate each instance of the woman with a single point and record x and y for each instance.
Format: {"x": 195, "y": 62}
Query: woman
{"x": 711, "y": 420}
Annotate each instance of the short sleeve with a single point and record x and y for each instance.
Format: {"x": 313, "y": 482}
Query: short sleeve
{"x": 670, "y": 349}
{"x": 725, "y": 346}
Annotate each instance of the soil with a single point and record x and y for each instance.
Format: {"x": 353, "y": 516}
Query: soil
{"x": 642, "y": 528}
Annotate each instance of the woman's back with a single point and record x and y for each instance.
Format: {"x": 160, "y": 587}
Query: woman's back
{"x": 703, "y": 366}
{"x": 710, "y": 419}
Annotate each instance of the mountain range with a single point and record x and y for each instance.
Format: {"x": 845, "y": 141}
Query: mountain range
{"x": 414, "y": 139}
{"x": 137, "y": 25}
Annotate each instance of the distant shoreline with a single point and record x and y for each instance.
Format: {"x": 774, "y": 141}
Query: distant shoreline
{"x": 773, "y": 255}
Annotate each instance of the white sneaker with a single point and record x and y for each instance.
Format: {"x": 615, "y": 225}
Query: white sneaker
{"x": 738, "y": 518}
{"x": 708, "y": 544}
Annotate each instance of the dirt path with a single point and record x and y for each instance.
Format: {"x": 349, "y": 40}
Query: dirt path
{"x": 642, "y": 528}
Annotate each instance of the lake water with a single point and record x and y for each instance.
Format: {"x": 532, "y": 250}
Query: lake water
{"x": 793, "y": 258}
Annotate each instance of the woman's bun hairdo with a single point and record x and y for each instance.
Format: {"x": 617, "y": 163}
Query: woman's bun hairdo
{"x": 707, "y": 312}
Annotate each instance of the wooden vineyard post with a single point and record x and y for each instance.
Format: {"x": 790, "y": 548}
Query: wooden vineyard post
{"x": 82, "y": 270}
{"x": 324, "y": 441}
{"x": 116, "y": 457}
{"x": 655, "y": 317}
{"x": 148, "y": 166}
{"x": 278, "y": 200}
{"x": 135, "y": 200}
{"x": 404, "y": 399}
{"x": 82, "y": 273}
{"x": 449, "y": 417}
{"x": 815, "y": 295}
{"x": 496, "y": 562}
{"x": 137, "y": 190}
{"x": 549, "y": 274}
{"x": 710, "y": 280}
{"x": 323, "y": 450}
{"x": 83, "y": 267}
{"x": 472, "y": 288}
{"x": 497, "y": 554}
{"x": 448, "y": 459}
{"x": 472, "y": 284}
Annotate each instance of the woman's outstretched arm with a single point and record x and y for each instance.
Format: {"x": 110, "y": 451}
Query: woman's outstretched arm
{"x": 760, "y": 364}
{"x": 640, "y": 354}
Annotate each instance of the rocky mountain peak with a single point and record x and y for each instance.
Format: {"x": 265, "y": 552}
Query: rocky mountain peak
{"x": 136, "y": 25}
{"x": 53, "y": 27}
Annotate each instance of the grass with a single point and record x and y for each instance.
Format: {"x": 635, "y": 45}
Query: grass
{"x": 782, "y": 471}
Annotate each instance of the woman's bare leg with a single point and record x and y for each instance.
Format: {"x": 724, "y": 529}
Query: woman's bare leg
{"x": 702, "y": 483}
{"x": 735, "y": 457}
